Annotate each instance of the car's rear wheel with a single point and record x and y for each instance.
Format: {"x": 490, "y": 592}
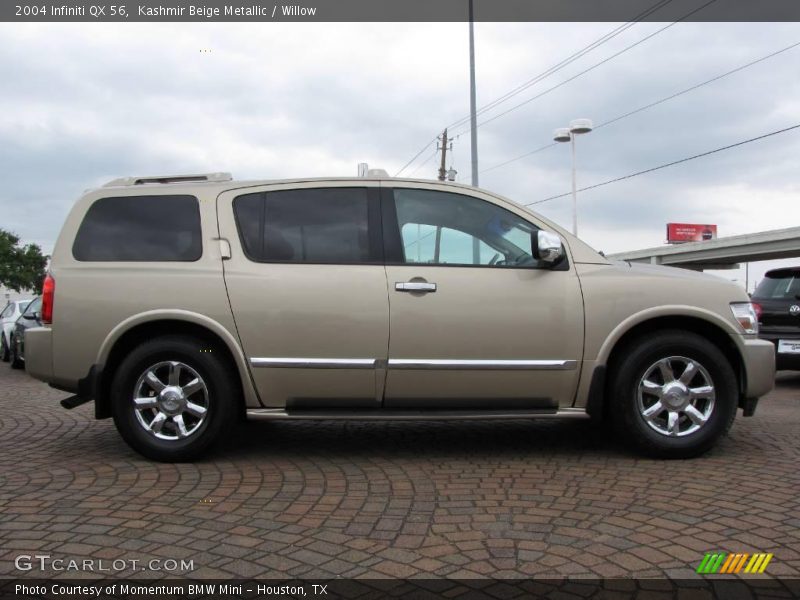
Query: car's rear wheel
{"x": 673, "y": 394}
{"x": 173, "y": 397}
{"x": 5, "y": 355}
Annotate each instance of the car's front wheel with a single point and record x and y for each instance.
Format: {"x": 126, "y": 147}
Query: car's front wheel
{"x": 673, "y": 394}
{"x": 173, "y": 397}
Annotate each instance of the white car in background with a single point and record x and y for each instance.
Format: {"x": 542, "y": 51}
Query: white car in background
{"x": 8, "y": 317}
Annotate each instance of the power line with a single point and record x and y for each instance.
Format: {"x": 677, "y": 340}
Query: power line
{"x": 545, "y": 74}
{"x": 671, "y": 164}
{"x": 593, "y": 67}
{"x": 416, "y": 156}
{"x": 503, "y": 164}
{"x": 699, "y": 85}
{"x": 565, "y": 62}
{"x": 423, "y": 163}
{"x": 656, "y": 103}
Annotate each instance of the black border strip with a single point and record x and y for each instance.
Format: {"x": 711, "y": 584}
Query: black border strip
{"x": 398, "y": 11}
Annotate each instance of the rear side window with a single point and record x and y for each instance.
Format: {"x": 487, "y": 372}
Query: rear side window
{"x": 140, "y": 228}
{"x": 321, "y": 225}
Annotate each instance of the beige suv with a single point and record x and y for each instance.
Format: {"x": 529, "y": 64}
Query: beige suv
{"x": 180, "y": 304}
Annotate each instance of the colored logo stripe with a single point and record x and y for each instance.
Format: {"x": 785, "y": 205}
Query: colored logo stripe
{"x": 758, "y": 563}
{"x": 721, "y": 562}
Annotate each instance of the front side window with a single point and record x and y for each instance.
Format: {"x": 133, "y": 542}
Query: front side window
{"x": 443, "y": 228}
{"x": 316, "y": 225}
{"x": 140, "y": 228}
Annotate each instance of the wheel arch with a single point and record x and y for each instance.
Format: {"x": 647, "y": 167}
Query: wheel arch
{"x": 139, "y": 328}
{"x": 708, "y": 325}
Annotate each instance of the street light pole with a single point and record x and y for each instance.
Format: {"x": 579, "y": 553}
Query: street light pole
{"x": 574, "y": 189}
{"x": 567, "y": 134}
{"x": 473, "y": 119}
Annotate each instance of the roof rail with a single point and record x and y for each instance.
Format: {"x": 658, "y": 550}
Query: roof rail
{"x": 195, "y": 178}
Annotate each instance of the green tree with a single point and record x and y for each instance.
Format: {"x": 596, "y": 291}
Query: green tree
{"x": 21, "y": 267}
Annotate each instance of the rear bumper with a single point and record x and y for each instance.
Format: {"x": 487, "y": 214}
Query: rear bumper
{"x": 758, "y": 357}
{"x": 783, "y": 361}
{"x": 39, "y": 353}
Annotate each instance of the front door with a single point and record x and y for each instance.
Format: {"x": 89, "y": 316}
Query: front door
{"x": 307, "y": 287}
{"x": 475, "y": 321}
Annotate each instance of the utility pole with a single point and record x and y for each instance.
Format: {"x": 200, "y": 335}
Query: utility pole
{"x": 443, "y": 148}
{"x": 473, "y": 119}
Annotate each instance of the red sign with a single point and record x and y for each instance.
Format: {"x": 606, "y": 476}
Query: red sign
{"x": 678, "y": 233}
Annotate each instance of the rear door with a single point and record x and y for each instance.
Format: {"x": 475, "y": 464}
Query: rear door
{"x": 307, "y": 287}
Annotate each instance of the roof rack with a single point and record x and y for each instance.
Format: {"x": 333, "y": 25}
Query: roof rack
{"x": 196, "y": 178}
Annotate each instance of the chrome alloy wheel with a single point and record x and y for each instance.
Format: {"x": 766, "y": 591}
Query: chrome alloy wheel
{"x": 676, "y": 396}
{"x": 170, "y": 400}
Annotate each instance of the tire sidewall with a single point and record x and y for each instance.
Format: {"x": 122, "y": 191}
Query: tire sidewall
{"x": 220, "y": 393}
{"x": 633, "y": 425}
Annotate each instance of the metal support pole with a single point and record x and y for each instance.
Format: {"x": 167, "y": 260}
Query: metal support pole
{"x": 473, "y": 119}
{"x": 574, "y": 190}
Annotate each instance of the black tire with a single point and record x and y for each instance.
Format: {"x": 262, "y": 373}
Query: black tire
{"x": 5, "y": 355}
{"x": 624, "y": 402}
{"x": 16, "y": 362}
{"x": 223, "y": 398}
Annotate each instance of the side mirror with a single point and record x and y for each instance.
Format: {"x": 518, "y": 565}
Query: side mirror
{"x": 34, "y": 316}
{"x": 547, "y": 247}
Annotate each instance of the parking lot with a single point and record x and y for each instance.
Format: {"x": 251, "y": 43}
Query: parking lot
{"x": 451, "y": 499}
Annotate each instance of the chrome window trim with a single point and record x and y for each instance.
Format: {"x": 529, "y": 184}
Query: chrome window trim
{"x": 532, "y": 365}
{"x": 315, "y": 363}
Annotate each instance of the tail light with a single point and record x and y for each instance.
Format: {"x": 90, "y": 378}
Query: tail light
{"x": 48, "y": 294}
{"x": 758, "y": 309}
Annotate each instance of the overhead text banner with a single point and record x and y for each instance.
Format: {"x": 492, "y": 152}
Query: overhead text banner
{"x": 398, "y": 10}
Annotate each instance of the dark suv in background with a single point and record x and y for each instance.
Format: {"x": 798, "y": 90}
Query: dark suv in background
{"x": 777, "y": 303}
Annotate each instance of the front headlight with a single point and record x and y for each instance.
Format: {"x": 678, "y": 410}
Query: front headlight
{"x": 745, "y": 315}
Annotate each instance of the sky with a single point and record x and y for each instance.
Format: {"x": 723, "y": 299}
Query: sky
{"x": 81, "y": 104}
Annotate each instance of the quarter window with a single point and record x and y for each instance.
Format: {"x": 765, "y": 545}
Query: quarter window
{"x": 140, "y": 228}
{"x": 444, "y": 228}
{"x": 317, "y": 225}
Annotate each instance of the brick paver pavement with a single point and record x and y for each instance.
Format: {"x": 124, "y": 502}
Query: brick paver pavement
{"x": 454, "y": 499}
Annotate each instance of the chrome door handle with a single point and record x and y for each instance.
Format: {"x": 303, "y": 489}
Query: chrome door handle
{"x": 415, "y": 286}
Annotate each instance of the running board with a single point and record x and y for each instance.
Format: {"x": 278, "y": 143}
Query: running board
{"x": 269, "y": 414}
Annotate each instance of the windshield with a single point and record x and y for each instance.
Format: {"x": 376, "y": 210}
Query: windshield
{"x": 779, "y": 285}
{"x": 34, "y": 306}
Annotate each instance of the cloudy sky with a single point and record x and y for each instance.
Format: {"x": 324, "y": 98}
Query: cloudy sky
{"x": 81, "y": 104}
